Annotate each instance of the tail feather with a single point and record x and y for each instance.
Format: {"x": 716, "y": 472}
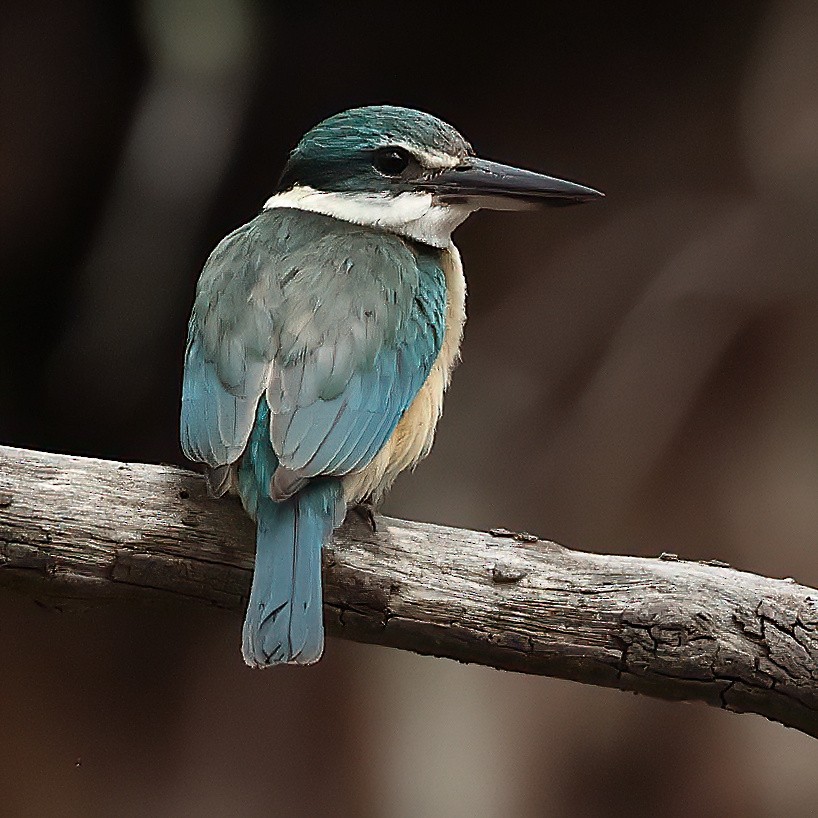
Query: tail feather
{"x": 284, "y": 622}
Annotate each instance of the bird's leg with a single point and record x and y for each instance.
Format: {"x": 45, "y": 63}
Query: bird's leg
{"x": 366, "y": 511}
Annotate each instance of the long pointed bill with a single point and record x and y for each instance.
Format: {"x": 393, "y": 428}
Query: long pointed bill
{"x": 481, "y": 183}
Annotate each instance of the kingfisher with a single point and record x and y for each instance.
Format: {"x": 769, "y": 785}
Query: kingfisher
{"x": 322, "y": 338}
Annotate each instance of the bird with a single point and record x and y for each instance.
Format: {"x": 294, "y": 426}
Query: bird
{"x": 322, "y": 338}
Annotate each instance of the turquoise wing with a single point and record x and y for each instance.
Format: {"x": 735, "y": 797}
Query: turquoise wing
{"x": 364, "y": 323}
{"x": 230, "y": 347}
{"x": 338, "y": 325}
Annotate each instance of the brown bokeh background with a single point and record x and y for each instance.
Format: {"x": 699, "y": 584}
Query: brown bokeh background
{"x": 638, "y": 376}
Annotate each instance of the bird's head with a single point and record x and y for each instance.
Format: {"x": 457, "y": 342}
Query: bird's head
{"x": 407, "y": 172}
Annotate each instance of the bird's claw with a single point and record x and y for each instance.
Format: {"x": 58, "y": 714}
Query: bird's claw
{"x": 366, "y": 511}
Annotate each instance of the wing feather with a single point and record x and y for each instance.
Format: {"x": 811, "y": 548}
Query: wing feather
{"x": 337, "y": 325}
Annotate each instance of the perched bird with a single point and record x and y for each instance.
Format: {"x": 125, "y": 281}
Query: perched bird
{"x": 322, "y": 338}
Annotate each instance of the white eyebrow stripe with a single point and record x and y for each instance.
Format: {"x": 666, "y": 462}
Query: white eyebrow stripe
{"x": 429, "y": 159}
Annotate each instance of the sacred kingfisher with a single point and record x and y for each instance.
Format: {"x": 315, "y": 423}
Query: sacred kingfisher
{"x": 322, "y": 338}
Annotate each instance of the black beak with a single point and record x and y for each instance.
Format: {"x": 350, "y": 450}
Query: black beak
{"x": 501, "y": 187}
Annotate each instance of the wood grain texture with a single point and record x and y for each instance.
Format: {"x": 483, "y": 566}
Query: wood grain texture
{"x": 76, "y": 531}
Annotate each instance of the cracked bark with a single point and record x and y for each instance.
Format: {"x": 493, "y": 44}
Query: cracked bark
{"x": 77, "y": 531}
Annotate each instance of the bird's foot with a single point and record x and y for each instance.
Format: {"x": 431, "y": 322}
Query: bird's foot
{"x": 366, "y": 511}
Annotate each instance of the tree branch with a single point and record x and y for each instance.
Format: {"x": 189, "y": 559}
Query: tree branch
{"x": 75, "y": 530}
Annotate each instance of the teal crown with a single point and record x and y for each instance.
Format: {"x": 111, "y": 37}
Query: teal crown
{"x": 352, "y": 151}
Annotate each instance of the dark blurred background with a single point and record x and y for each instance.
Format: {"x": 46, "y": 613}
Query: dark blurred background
{"x": 638, "y": 376}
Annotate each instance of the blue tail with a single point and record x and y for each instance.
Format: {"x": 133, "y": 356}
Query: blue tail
{"x": 284, "y": 622}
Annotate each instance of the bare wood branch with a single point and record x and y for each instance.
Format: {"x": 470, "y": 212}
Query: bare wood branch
{"x": 74, "y": 531}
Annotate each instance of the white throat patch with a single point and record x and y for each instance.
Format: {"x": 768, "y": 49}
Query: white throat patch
{"x": 414, "y": 215}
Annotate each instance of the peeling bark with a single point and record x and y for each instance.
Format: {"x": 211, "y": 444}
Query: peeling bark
{"x": 76, "y": 531}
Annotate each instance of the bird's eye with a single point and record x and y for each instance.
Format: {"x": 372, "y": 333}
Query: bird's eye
{"x": 391, "y": 161}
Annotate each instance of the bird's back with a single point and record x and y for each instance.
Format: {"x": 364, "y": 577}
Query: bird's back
{"x": 307, "y": 308}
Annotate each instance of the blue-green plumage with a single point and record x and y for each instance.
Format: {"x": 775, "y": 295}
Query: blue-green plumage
{"x": 336, "y": 155}
{"x": 322, "y": 337}
{"x": 284, "y": 613}
{"x": 308, "y": 341}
